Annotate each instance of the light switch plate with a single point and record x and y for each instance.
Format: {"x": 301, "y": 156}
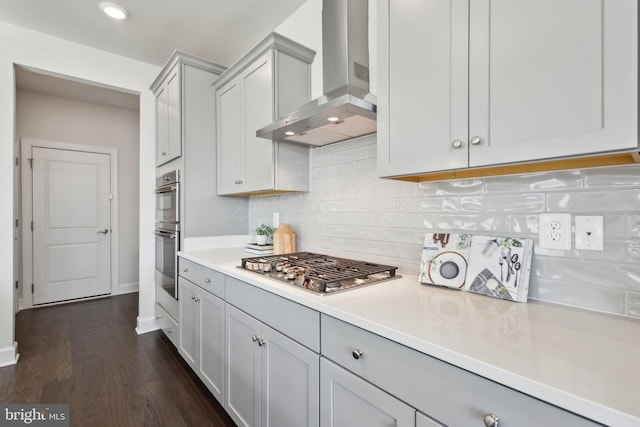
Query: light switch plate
{"x": 554, "y": 231}
{"x": 590, "y": 233}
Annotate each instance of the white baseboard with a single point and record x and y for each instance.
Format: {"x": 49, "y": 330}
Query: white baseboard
{"x": 128, "y": 288}
{"x": 147, "y": 324}
{"x": 9, "y": 355}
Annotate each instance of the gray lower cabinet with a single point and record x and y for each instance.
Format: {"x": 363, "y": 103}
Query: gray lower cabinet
{"x": 347, "y": 400}
{"x": 448, "y": 394}
{"x": 271, "y": 379}
{"x": 202, "y": 334}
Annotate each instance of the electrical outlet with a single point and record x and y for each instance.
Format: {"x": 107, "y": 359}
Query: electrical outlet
{"x": 554, "y": 231}
{"x": 276, "y": 219}
{"x": 590, "y": 233}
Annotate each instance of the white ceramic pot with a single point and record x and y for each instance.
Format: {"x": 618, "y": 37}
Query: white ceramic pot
{"x": 261, "y": 239}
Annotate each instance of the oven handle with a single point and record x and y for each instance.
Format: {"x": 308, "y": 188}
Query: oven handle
{"x": 165, "y": 235}
{"x": 167, "y": 188}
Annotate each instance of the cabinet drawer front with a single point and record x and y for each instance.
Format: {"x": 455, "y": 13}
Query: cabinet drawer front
{"x": 210, "y": 280}
{"x": 449, "y": 394}
{"x": 298, "y": 322}
{"x": 168, "y": 325}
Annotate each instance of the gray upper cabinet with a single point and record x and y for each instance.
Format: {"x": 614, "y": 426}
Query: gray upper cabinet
{"x": 173, "y": 103}
{"x": 186, "y": 132}
{"x": 272, "y": 79}
{"x": 168, "y": 142}
{"x": 504, "y": 81}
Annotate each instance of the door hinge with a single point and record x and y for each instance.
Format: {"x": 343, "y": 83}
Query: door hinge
{"x": 30, "y": 163}
{"x": 17, "y": 223}
{"x": 110, "y": 196}
{"x": 17, "y": 161}
{"x": 32, "y": 287}
{"x": 17, "y": 284}
{"x": 31, "y": 225}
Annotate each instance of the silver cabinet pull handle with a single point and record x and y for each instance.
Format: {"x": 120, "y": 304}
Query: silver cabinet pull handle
{"x": 475, "y": 140}
{"x": 196, "y": 299}
{"x": 186, "y": 270}
{"x": 238, "y": 181}
{"x": 456, "y": 143}
{"x": 255, "y": 338}
{"x": 357, "y": 354}
{"x": 105, "y": 231}
{"x": 170, "y": 331}
{"x": 193, "y": 297}
{"x": 490, "y": 420}
{"x": 261, "y": 342}
{"x": 207, "y": 280}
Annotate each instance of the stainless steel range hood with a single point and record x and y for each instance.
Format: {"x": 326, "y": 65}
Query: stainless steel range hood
{"x": 347, "y": 109}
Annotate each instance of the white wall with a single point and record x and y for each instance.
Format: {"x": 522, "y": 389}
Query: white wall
{"x": 33, "y": 49}
{"x": 59, "y": 119}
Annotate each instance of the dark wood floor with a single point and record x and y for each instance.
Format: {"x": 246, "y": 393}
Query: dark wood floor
{"x": 88, "y": 355}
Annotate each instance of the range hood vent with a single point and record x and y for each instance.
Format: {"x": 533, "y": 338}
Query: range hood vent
{"x": 346, "y": 110}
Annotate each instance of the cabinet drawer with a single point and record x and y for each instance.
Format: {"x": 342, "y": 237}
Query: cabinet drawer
{"x": 449, "y": 394}
{"x": 204, "y": 277}
{"x": 298, "y": 322}
{"x": 168, "y": 325}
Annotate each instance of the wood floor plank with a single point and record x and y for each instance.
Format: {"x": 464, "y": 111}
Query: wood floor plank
{"x": 88, "y": 355}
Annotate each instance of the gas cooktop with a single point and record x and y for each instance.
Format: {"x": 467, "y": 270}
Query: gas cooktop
{"x": 322, "y": 274}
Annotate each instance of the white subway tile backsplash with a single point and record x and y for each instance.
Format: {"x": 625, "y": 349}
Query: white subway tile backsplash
{"x": 503, "y": 203}
{"x": 578, "y": 295}
{"x": 544, "y": 181}
{"x": 634, "y": 227}
{"x": 623, "y": 176}
{"x": 463, "y": 186}
{"x": 350, "y": 212}
{"x": 632, "y": 306}
{"x": 595, "y": 201}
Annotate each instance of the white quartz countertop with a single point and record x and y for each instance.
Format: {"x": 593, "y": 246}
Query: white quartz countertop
{"x": 585, "y": 362}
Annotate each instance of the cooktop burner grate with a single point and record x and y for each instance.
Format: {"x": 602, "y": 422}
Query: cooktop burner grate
{"x": 319, "y": 273}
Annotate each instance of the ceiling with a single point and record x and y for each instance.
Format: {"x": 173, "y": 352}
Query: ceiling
{"x": 218, "y": 30}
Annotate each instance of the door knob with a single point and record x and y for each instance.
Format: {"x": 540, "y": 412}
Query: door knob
{"x": 490, "y": 420}
{"x": 475, "y": 140}
{"x": 106, "y": 231}
{"x": 456, "y": 143}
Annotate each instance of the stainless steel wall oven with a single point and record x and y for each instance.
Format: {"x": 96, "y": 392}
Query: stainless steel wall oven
{"x": 167, "y": 233}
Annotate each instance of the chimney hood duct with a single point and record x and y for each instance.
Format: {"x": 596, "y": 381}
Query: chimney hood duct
{"x": 346, "y": 110}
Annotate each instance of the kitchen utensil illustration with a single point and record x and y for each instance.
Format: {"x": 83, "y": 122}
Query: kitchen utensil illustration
{"x": 448, "y": 269}
{"x": 490, "y": 248}
{"x": 486, "y": 283}
{"x": 442, "y": 238}
{"x": 516, "y": 266}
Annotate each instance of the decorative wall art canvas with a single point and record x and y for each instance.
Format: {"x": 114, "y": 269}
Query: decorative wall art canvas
{"x": 498, "y": 267}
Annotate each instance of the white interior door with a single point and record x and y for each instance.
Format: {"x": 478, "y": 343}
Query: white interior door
{"x": 71, "y": 225}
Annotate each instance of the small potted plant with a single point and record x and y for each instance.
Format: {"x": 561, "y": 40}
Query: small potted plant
{"x": 263, "y": 232}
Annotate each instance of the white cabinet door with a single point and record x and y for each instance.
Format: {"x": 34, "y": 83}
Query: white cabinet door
{"x": 424, "y": 421}
{"x": 168, "y": 118}
{"x": 468, "y": 84}
{"x": 174, "y": 118}
{"x": 552, "y": 78}
{"x": 242, "y": 368}
{"x": 211, "y": 343}
{"x": 258, "y": 91}
{"x": 347, "y": 400}
{"x": 423, "y": 68}
{"x": 290, "y": 382}
{"x": 272, "y": 381}
{"x": 189, "y": 313}
{"x": 162, "y": 127}
{"x": 229, "y": 133}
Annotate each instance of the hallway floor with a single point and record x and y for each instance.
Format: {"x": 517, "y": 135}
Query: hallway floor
{"x": 88, "y": 355}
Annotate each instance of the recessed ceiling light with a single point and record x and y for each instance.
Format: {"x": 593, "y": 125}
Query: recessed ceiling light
{"x": 114, "y": 11}
{"x": 289, "y": 133}
{"x": 334, "y": 119}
